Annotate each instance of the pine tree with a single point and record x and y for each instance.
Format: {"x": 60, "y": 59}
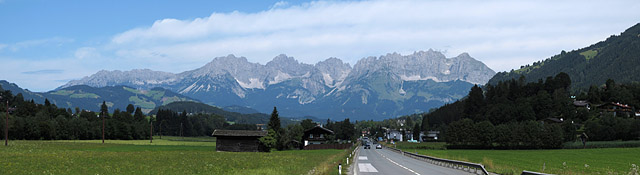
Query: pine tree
{"x": 274, "y": 125}
{"x": 416, "y": 131}
{"x": 130, "y": 109}
{"x": 474, "y": 103}
{"x": 274, "y": 121}
{"x": 425, "y": 123}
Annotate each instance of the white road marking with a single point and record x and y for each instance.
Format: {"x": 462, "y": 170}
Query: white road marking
{"x": 410, "y": 170}
{"x": 362, "y": 158}
{"x": 367, "y": 168}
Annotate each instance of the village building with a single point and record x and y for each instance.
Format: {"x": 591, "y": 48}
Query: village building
{"x": 431, "y": 136}
{"x": 617, "y": 108}
{"x": 239, "y": 140}
{"x": 316, "y": 135}
{"x": 394, "y": 134}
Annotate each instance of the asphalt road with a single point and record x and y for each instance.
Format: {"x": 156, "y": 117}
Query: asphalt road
{"x": 383, "y": 161}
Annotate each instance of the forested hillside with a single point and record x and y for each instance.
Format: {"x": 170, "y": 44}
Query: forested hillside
{"x": 617, "y": 58}
{"x": 516, "y": 114}
{"x": 90, "y": 98}
{"x": 233, "y": 117}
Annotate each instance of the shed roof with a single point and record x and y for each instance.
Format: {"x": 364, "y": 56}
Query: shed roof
{"x": 245, "y": 133}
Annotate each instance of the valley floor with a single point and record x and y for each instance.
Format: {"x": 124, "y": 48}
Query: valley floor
{"x": 171, "y": 155}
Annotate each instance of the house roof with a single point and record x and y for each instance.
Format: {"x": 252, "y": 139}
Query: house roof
{"x": 616, "y": 104}
{"x": 320, "y": 128}
{"x": 580, "y": 103}
{"x": 240, "y": 133}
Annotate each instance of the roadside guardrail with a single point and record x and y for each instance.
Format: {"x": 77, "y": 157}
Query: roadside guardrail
{"x": 466, "y": 166}
{"x": 525, "y": 172}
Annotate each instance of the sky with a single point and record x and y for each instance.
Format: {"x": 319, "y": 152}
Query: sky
{"x": 44, "y": 44}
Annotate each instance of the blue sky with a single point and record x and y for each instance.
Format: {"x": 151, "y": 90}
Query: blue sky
{"x": 44, "y": 44}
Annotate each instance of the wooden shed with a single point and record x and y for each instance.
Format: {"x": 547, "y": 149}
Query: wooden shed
{"x": 239, "y": 140}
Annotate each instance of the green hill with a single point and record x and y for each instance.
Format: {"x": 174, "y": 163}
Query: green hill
{"x": 234, "y": 117}
{"x": 90, "y": 98}
{"x": 617, "y": 58}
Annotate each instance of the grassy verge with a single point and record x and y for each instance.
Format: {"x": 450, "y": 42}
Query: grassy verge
{"x": 606, "y": 158}
{"x": 603, "y": 144}
{"x": 561, "y": 161}
{"x": 330, "y": 166}
{"x": 160, "y": 157}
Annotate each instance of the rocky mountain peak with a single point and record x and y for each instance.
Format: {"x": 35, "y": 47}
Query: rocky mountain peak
{"x": 288, "y": 65}
{"x": 137, "y": 77}
{"x": 333, "y": 71}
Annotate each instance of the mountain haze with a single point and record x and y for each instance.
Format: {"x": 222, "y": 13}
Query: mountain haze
{"x": 374, "y": 88}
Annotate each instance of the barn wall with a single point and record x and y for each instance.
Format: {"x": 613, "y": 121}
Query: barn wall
{"x": 238, "y": 144}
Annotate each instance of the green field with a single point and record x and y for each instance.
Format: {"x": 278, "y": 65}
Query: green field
{"x": 559, "y": 161}
{"x": 170, "y": 155}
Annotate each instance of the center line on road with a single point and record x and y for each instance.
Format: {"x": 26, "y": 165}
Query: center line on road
{"x": 410, "y": 170}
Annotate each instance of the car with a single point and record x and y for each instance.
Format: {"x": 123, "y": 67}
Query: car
{"x": 367, "y": 146}
{"x": 378, "y": 146}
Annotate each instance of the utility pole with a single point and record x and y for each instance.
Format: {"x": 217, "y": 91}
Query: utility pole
{"x": 181, "y": 132}
{"x": 151, "y": 131}
{"x": 102, "y": 127}
{"x": 6, "y": 127}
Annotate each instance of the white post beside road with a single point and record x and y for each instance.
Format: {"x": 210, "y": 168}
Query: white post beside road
{"x": 339, "y": 168}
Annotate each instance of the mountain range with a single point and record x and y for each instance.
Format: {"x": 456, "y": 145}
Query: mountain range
{"x": 615, "y": 58}
{"x": 374, "y": 88}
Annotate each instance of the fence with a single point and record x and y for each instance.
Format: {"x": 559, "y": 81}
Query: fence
{"x": 328, "y": 146}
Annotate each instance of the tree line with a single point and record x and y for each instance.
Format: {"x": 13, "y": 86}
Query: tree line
{"x": 292, "y": 136}
{"x": 168, "y": 122}
{"x": 31, "y": 121}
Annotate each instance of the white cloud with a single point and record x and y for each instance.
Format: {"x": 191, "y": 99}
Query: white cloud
{"x": 280, "y": 4}
{"x": 504, "y": 34}
{"x": 491, "y": 31}
{"x": 55, "y": 41}
{"x": 87, "y": 52}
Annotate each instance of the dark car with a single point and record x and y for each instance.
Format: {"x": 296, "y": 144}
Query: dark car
{"x": 367, "y": 146}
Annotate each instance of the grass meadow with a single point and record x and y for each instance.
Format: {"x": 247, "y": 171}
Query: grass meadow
{"x": 170, "y": 155}
{"x": 556, "y": 161}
